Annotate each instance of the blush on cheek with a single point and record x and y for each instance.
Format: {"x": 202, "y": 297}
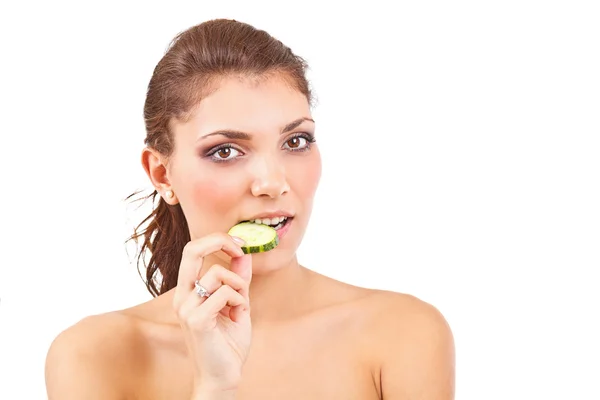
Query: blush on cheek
{"x": 210, "y": 200}
{"x": 307, "y": 183}
{"x": 216, "y": 194}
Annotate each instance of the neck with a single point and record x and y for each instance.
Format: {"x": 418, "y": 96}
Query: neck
{"x": 276, "y": 295}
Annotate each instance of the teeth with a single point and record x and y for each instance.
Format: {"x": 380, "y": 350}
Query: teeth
{"x": 269, "y": 221}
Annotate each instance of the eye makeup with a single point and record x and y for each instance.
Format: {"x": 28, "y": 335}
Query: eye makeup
{"x": 223, "y": 152}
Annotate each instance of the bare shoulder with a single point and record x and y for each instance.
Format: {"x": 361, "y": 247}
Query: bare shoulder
{"x": 414, "y": 345}
{"x": 91, "y": 358}
{"x": 409, "y": 342}
{"x": 404, "y": 311}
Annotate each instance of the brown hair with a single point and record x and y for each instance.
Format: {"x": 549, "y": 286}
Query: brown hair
{"x": 190, "y": 69}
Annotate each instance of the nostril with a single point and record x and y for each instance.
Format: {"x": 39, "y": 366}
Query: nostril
{"x": 269, "y": 189}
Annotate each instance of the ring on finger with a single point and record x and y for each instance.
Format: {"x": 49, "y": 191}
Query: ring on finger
{"x": 201, "y": 290}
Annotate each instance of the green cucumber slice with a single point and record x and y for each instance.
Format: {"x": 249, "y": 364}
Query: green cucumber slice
{"x": 258, "y": 237}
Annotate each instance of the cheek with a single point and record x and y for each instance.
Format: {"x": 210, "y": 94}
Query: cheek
{"x": 216, "y": 193}
{"x": 211, "y": 197}
{"x": 306, "y": 177}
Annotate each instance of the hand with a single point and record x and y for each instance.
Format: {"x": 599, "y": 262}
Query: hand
{"x": 217, "y": 329}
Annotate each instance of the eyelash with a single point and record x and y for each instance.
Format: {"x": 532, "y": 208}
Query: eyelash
{"x": 310, "y": 139}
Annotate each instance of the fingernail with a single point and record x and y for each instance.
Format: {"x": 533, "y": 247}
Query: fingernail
{"x": 238, "y": 240}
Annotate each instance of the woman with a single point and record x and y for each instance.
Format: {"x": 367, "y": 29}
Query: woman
{"x": 230, "y": 138}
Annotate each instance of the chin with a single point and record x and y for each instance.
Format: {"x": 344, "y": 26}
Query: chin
{"x": 271, "y": 261}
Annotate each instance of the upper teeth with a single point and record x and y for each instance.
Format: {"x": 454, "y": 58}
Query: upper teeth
{"x": 269, "y": 221}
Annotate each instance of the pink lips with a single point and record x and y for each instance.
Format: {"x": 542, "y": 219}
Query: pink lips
{"x": 281, "y": 232}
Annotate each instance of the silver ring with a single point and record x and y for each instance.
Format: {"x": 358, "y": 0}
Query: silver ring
{"x": 201, "y": 290}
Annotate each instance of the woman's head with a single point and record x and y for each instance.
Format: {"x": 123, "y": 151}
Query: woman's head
{"x": 230, "y": 134}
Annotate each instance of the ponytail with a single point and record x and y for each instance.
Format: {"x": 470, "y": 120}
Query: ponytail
{"x": 164, "y": 233}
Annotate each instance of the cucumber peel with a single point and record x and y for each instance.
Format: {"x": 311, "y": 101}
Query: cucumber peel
{"x": 259, "y": 238}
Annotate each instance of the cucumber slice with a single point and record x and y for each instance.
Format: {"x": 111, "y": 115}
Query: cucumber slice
{"x": 259, "y": 238}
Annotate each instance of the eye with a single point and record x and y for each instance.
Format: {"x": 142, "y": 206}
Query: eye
{"x": 299, "y": 142}
{"x": 295, "y": 142}
{"x": 224, "y": 153}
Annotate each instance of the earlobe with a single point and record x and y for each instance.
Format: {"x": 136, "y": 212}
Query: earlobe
{"x": 169, "y": 197}
{"x": 155, "y": 166}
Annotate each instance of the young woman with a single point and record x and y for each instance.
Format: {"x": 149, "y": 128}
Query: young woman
{"x": 230, "y": 138}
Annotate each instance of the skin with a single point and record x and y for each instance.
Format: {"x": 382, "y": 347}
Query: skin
{"x": 312, "y": 336}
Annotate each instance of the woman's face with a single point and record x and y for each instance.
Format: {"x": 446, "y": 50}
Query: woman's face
{"x": 247, "y": 154}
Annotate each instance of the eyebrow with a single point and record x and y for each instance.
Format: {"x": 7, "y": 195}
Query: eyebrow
{"x": 295, "y": 124}
{"x": 232, "y": 134}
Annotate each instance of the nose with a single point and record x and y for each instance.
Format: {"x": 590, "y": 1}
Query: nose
{"x": 269, "y": 178}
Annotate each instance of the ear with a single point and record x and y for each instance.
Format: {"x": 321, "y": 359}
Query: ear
{"x": 155, "y": 165}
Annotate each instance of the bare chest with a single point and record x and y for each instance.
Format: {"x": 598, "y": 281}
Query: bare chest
{"x": 308, "y": 365}
{"x": 300, "y": 362}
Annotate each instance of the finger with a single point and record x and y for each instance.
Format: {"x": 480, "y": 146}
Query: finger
{"x": 224, "y": 296}
{"x": 242, "y": 266}
{"x": 239, "y": 312}
{"x": 218, "y": 276}
{"x": 195, "y": 251}
{"x": 190, "y": 305}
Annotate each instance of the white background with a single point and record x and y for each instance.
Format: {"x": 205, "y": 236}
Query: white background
{"x": 461, "y": 152}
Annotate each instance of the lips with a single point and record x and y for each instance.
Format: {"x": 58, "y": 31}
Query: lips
{"x": 274, "y": 221}
{"x": 270, "y": 217}
{"x": 283, "y": 229}
{"x": 280, "y": 220}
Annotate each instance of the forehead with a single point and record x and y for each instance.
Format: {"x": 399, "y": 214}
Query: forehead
{"x": 251, "y": 105}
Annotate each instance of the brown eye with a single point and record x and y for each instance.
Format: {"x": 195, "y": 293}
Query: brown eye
{"x": 224, "y": 153}
{"x": 294, "y": 142}
{"x": 299, "y": 143}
